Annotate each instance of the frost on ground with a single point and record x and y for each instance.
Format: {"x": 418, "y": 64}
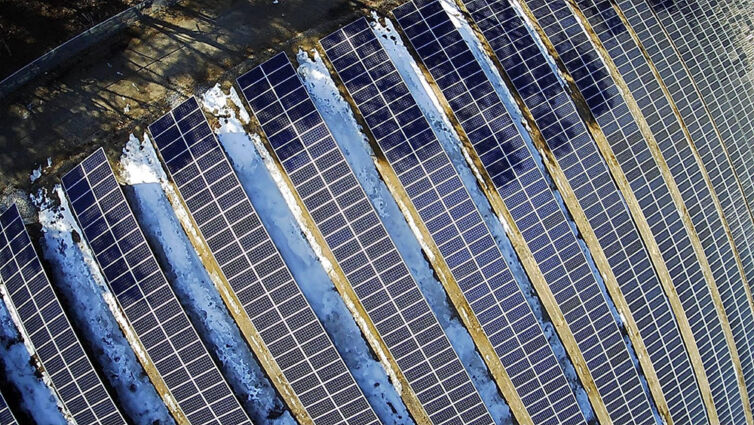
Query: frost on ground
{"x": 278, "y": 216}
{"x": 338, "y": 116}
{"x": 81, "y": 286}
{"x": 146, "y": 190}
{"x": 37, "y": 400}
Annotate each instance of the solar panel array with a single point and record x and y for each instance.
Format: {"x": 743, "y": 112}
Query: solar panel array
{"x": 476, "y": 263}
{"x": 73, "y": 377}
{"x": 6, "y": 416}
{"x": 627, "y": 143}
{"x": 151, "y": 307}
{"x": 719, "y": 89}
{"x": 677, "y": 152}
{"x": 578, "y": 156}
{"x": 255, "y": 270}
{"x": 545, "y": 228}
{"x": 706, "y": 140}
{"x": 360, "y": 244}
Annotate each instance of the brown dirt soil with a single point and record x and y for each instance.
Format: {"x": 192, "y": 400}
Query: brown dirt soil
{"x": 30, "y": 28}
{"x": 131, "y": 79}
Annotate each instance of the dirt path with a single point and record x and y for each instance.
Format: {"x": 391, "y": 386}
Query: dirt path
{"x": 134, "y": 77}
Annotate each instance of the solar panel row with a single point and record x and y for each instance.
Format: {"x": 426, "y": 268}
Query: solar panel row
{"x": 567, "y": 137}
{"x": 456, "y": 227}
{"x": 627, "y": 143}
{"x": 255, "y": 270}
{"x": 73, "y": 377}
{"x": 151, "y": 307}
{"x": 696, "y": 194}
{"x": 692, "y": 36}
{"x": 360, "y": 244}
{"x": 6, "y": 416}
{"x": 543, "y": 225}
{"x": 706, "y": 140}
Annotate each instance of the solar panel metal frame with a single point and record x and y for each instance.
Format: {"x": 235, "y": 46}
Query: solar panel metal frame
{"x": 677, "y": 249}
{"x": 370, "y": 260}
{"x": 92, "y": 188}
{"x": 269, "y": 295}
{"x": 718, "y": 89}
{"x": 708, "y": 140}
{"x": 480, "y": 272}
{"x": 566, "y": 136}
{"x": 6, "y": 416}
{"x": 577, "y": 263}
{"x": 33, "y": 299}
{"x": 675, "y": 145}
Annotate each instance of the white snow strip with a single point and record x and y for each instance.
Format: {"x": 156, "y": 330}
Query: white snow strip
{"x": 147, "y": 187}
{"x": 93, "y": 310}
{"x": 37, "y": 398}
{"x": 282, "y": 218}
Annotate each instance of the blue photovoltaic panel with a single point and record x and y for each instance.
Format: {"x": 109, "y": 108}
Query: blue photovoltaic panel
{"x": 544, "y": 227}
{"x": 683, "y": 165}
{"x": 709, "y": 145}
{"x": 255, "y": 270}
{"x": 361, "y": 245}
{"x": 630, "y": 148}
{"x": 6, "y": 417}
{"x": 438, "y": 195}
{"x": 578, "y": 156}
{"x": 59, "y": 349}
{"x": 718, "y": 89}
{"x": 711, "y": 148}
{"x": 151, "y": 307}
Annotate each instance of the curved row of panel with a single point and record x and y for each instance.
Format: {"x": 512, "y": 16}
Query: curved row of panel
{"x": 622, "y": 123}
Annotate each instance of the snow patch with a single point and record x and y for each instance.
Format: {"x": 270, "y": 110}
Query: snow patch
{"x": 94, "y": 311}
{"x": 282, "y": 218}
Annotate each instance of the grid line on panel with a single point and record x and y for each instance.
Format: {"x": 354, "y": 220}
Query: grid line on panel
{"x": 255, "y": 270}
{"x": 691, "y": 178}
{"x": 567, "y": 137}
{"x": 559, "y": 28}
{"x": 521, "y": 185}
{"x": 6, "y": 416}
{"x": 152, "y": 309}
{"x": 456, "y": 227}
{"x": 72, "y": 374}
{"x": 708, "y": 143}
{"x": 360, "y": 244}
{"x": 716, "y": 88}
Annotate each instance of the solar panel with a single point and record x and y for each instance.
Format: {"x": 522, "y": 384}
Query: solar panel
{"x": 361, "y": 245}
{"x": 73, "y": 377}
{"x": 680, "y": 158}
{"x": 255, "y": 270}
{"x": 149, "y": 303}
{"x": 544, "y": 228}
{"x": 578, "y": 156}
{"x": 631, "y": 151}
{"x": 709, "y": 143}
{"x": 6, "y": 416}
{"x": 455, "y": 225}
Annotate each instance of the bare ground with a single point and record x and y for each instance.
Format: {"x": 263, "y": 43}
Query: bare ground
{"x": 134, "y": 77}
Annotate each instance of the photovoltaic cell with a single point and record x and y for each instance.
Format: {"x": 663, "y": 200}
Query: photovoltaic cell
{"x": 361, "y": 245}
{"x": 578, "y": 156}
{"x": 544, "y": 227}
{"x": 151, "y": 307}
{"x": 6, "y": 417}
{"x": 709, "y": 145}
{"x": 685, "y": 170}
{"x": 59, "y": 349}
{"x": 466, "y": 244}
{"x": 708, "y": 68}
{"x": 255, "y": 270}
{"x": 631, "y": 150}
